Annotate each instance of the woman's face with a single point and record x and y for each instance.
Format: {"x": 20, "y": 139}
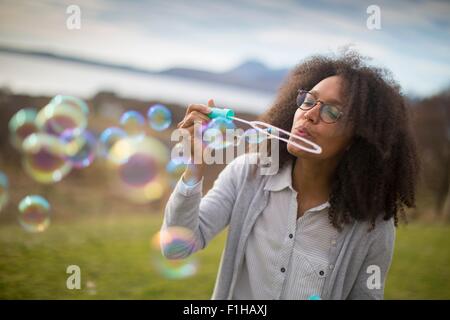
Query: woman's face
{"x": 333, "y": 138}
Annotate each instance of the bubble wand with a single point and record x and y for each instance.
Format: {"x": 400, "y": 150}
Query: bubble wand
{"x": 266, "y": 129}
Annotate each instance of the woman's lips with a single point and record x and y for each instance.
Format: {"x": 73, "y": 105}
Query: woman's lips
{"x": 303, "y": 133}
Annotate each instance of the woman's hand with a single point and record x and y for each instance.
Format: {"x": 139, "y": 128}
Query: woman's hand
{"x": 195, "y": 114}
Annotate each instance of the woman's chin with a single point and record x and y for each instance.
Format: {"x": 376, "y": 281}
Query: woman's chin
{"x": 297, "y": 152}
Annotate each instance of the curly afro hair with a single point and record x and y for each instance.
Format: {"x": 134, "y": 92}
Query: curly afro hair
{"x": 378, "y": 174}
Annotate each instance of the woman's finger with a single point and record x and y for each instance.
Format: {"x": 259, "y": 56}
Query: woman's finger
{"x": 193, "y": 117}
{"x": 198, "y": 107}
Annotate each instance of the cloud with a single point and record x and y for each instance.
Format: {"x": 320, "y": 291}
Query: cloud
{"x": 218, "y": 34}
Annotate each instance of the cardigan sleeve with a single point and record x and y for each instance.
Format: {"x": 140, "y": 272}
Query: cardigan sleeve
{"x": 206, "y": 216}
{"x": 371, "y": 279}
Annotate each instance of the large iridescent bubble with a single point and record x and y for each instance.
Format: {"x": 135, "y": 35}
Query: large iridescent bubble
{"x": 176, "y": 242}
{"x": 21, "y": 125}
{"x": 4, "y": 190}
{"x": 44, "y": 158}
{"x": 139, "y": 164}
{"x": 61, "y": 115}
{"x": 34, "y": 213}
{"x": 159, "y": 117}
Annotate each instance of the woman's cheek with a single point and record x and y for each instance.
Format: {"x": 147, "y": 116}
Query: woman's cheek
{"x": 333, "y": 142}
{"x": 297, "y": 115}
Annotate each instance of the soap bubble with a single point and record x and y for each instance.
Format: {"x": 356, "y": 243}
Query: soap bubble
{"x": 176, "y": 242}
{"x": 133, "y": 123}
{"x": 159, "y": 117}
{"x": 34, "y": 213}
{"x": 21, "y": 125}
{"x": 61, "y": 115}
{"x": 176, "y": 269}
{"x": 4, "y": 192}
{"x": 74, "y": 102}
{"x": 139, "y": 165}
{"x": 79, "y": 148}
{"x": 215, "y": 134}
{"x": 44, "y": 158}
{"x": 108, "y": 138}
{"x": 139, "y": 169}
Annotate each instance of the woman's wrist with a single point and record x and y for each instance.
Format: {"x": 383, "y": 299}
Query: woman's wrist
{"x": 193, "y": 173}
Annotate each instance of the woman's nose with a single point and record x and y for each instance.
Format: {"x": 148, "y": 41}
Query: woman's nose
{"x": 313, "y": 114}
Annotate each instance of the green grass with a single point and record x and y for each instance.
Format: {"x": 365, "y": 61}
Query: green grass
{"x": 421, "y": 264}
{"x": 115, "y": 253}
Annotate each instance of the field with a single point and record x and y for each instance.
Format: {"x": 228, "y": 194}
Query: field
{"x": 115, "y": 257}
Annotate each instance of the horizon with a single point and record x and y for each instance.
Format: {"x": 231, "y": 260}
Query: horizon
{"x": 51, "y": 55}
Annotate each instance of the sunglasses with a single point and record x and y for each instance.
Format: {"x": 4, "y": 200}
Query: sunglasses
{"x": 328, "y": 112}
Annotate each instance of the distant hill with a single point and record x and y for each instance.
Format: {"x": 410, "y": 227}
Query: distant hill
{"x": 251, "y": 74}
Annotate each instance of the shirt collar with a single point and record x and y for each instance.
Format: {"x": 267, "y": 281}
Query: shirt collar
{"x": 320, "y": 207}
{"x": 283, "y": 179}
{"x": 280, "y": 180}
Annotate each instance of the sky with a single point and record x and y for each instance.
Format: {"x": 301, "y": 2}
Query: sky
{"x": 413, "y": 41}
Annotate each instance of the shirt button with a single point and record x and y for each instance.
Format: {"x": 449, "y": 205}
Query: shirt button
{"x": 283, "y": 270}
{"x": 291, "y": 235}
{"x": 321, "y": 272}
{"x": 331, "y": 266}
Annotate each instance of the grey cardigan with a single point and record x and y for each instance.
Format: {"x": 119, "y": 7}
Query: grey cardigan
{"x": 236, "y": 200}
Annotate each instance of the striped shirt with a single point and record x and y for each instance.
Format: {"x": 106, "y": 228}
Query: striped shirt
{"x": 286, "y": 257}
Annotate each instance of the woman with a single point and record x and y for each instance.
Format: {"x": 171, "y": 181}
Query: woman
{"x": 324, "y": 225}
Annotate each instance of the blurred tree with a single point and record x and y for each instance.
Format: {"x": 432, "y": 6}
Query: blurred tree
{"x": 432, "y": 127}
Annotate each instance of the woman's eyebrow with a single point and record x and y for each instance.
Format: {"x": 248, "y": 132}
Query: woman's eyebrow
{"x": 332, "y": 101}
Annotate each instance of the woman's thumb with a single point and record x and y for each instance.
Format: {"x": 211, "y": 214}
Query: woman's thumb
{"x": 211, "y": 103}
